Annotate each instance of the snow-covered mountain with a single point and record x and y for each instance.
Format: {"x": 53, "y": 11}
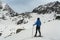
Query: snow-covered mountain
{"x": 48, "y": 8}
{"x": 49, "y": 28}
{"x": 5, "y": 9}
{"x": 9, "y": 18}
{"x": 20, "y": 27}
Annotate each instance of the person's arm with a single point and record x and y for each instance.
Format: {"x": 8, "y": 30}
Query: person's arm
{"x": 34, "y": 24}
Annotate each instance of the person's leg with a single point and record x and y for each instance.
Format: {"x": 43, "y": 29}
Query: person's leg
{"x": 39, "y": 31}
{"x": 36, "y": 32}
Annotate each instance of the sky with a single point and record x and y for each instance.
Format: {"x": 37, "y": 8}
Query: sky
{"x": 21, "y": 6}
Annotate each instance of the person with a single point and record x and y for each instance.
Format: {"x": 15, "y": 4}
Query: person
{"x": 38, "y": 24}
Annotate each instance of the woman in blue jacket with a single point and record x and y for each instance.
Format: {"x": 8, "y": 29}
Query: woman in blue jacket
{"x": 38, "y": 24}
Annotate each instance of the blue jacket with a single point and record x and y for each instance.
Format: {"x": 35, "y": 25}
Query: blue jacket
{"x": 38, "y": 23}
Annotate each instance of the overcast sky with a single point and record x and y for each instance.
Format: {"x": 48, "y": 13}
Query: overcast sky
{"x": 25, "y": 5}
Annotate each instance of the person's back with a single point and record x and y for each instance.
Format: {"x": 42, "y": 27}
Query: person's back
{"x": 38, "y": 24}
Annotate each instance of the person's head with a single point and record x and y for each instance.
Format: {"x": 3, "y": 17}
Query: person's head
{"x": 38, "y": 18}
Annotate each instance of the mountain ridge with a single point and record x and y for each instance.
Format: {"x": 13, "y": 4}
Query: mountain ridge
{"x": 48, "y": 8}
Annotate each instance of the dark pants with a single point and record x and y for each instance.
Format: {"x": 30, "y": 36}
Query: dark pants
{"x": 38, "y": 29}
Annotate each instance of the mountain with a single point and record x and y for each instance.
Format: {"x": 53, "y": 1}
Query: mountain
{"x": 17, "y": 27}
{"x": 6, "y": 9}
{"x": 48, "y": 8}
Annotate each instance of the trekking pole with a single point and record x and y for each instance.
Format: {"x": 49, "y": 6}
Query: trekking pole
{"x": 32, "y": 31}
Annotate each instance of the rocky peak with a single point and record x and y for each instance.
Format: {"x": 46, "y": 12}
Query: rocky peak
{"x": 48, "y": 8}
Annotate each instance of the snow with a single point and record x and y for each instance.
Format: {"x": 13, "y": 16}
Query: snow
{"x": 49, "y": 30}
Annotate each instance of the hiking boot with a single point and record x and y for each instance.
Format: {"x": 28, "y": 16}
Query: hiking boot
{"x": 35, "y": 36}
{"x": 39, "y": 36}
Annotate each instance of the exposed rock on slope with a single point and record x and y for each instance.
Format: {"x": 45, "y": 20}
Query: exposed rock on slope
{"x": 48, "y": 8}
